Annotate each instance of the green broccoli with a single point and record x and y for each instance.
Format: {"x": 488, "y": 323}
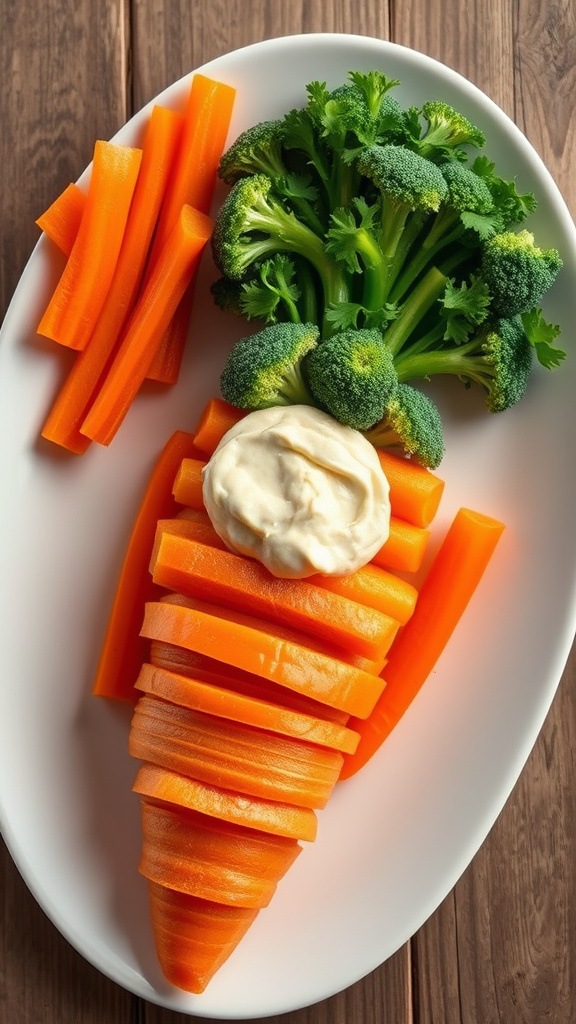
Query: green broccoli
{"x": 351, "y": 376}
{"x": 499, "y": 358}
{"x": 448, "y": 130}
{"x": 265, "y": 369}
{"x": 517, "y": 271}
{"x": 412, "y": 423}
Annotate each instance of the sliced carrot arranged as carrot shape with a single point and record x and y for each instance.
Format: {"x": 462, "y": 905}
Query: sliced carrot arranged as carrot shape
{"x": 61, "y": 221}
{"x": 79, "y": 296}
{"x": 234, "y": 756}
{"x": 236, "y": 707}
{"x": 84, "y": 379}
{"x": 451, "y": 581}
{"x": 124, "y": 650}
{"x": 194, "y": 937}
{"x": 176, "y": 265}
{"x": 189, "y": 567}
{"x": 212, "y": 859}
{"x": 280, "y": 819}
{"x": 291, "y": 664}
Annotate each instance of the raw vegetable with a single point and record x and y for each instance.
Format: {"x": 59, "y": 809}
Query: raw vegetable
{"x": 197, "y": 570}
{"x": 264, "y": 369}
{"x": 79, "y": 296}
{"x": 61, "y": 221}
{"x": 123, "y": 649}
{"x": 81, "y": 386}
{"x": 172, "y": 272}
{"x": 415, "y": 493}
{"x": 451, "y": 581}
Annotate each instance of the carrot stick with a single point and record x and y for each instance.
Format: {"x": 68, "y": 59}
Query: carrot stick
{"x": 217, "y": 418}
{"x": 61, "y": 221}
{"x": 236, "y": 707}
{"x": 73, "y": 400}
{"x": 235, "y": 756}
{"x": 415, "y": 492}
{"x": 405, "y": 548}
{"x": 453, "y": 577}
{"x": 175, "y": 267}
{"x": 206, "y": 124}
{"x": 187, "y": 488}
{"x": 280, "y": 819}
{"x": 211, "y": 859}
{"x": 194, "y": 937}
{"x": 286, "y": 662}
{"x": 79, "y": 295}
{"x": 197, "y": 570}
{"x": 124, "y": 650}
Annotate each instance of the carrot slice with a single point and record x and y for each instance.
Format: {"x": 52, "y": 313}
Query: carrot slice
{"x": 176, "y": 265}
{"x": 197, "y": 570}
{"x": 415, "y": 492}
{"x": 206, "y": 124}
{"x": 405, "y": 548}
{"x": 326, "y": 678}
{"x": 217, "y": 418}
{"x": 453, "y": 577}
{"x": 78, "y": 298}
{"x": 124, "y": 650}
{"x": 200, "y": 666}
{"x": 211, "y": 859}
{"x": 265, "y": 815}
{"x": 80, "y": 387}
{"x": 187, "y": 488}
{"x": 61, "y": 221}
{"x": 223, "y": 703}
{"x": 232, "y": 755}
{"x": 194, "y": 937}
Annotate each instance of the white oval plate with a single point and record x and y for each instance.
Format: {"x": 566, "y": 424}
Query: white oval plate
{"x": 395, "y": 838}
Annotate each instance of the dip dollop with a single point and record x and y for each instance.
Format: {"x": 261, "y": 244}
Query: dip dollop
{"x": 299, "y": 491}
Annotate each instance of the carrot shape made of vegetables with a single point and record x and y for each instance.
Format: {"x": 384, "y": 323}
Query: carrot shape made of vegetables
{"x": 124, "y": 650}
{"x": 81, "y": 386}
{"x": 286, "y": 662}
{"x": 451, "y": 581}
{"x": 206, "y": 124}
{"x": 234, "y": 756}
{"x": 79, "y": 296}
{"x": 182, "y": 564}
{"x": 61, "y": 221}
{"x": 237, "y": 707}
{"x": 175, "y": 267}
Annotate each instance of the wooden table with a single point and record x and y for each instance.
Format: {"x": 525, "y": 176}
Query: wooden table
{"x": 502, "y": 946}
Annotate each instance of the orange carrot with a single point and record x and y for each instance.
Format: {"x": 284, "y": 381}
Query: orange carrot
{"x": 79, "y": 295}
{"x": 234, "y": 756}
{"x": 451, "y": 581}
{"x": 405, "y": 548}
{"x": 194, "y": 937}
{"x": 280, "y": 819}
{"x": 217, "y": 418}
{"x": 236, "y": 707}
{"x": 200, "y": 666}
{"x": 176, "y": 265}
{"x": 81, "y": 386}
{"x": 197, "y": 570}
{"x": 187, "y": 488}
{"x": 206, "y": 124}
{"x": 415, "y": 492}
{"x": 124, "y": 650}
{"x": 212, "y": 859}
{"x": 286, "y": 662}
{"x": 61, "y": 221}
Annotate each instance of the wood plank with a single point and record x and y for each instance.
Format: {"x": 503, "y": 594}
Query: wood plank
{"x": 67, "y": 74}
{"x": 501, "y": 946}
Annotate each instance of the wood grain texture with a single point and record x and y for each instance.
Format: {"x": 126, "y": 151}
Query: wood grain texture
{"x": 501, "y": 949}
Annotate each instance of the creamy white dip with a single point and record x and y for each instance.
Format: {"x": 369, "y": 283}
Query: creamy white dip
{"x": 299, "y": 491}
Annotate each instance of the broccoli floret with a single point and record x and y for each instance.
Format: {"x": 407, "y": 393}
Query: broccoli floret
{"x": 499, "y": 358}
{"x": 517, "y": 271}
{"x": 447, "y": 131}
{"x": 265, "y": 369}
{"x": 412, "y": 423}
{"x": 351, "y": 375}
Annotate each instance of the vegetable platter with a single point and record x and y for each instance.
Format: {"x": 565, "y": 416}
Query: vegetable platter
{"x": 394, "y": 838}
